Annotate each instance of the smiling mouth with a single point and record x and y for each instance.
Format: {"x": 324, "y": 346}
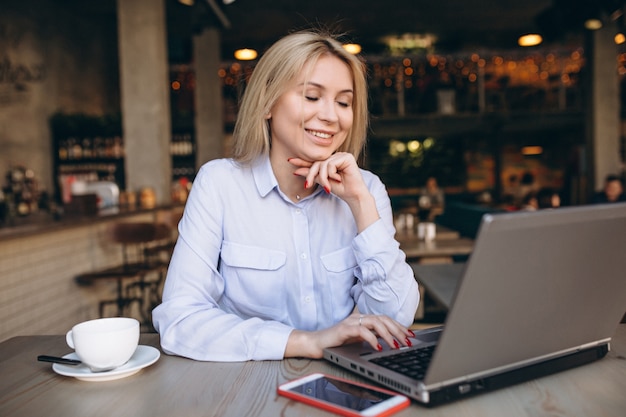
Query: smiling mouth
{"x": 318, "y": 134}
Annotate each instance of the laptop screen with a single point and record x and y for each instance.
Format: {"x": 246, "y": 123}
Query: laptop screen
{"x": 537, "y": 284}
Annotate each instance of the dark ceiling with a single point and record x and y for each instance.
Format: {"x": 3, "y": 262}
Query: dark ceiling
{"x": 458, "y": 24}
{"x": 454, "y": 22}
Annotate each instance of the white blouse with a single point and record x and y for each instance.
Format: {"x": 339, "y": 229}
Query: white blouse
{"x": 250, "y": 266}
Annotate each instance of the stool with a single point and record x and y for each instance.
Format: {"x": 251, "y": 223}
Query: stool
{"x": 135, "y": 239}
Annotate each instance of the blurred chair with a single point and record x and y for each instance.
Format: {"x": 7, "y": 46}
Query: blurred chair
{"x": 140, "y": 275}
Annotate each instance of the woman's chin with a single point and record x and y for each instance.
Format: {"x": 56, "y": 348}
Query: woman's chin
{"x": 318, "y": 154}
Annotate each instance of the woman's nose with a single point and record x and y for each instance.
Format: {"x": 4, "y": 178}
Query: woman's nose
{"x": 327, "y": 111}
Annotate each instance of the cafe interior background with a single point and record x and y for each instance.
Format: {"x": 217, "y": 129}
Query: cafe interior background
{"x": 142, "y": 92}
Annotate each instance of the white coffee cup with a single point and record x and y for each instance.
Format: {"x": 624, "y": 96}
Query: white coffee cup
{"x": 426, "y": 231}
{"x": 104, "y": 344}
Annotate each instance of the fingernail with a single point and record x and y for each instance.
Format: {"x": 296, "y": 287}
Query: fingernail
{"x": 327, "y": 190}
{"x": 379, "y": 347}
{"x": 411, "y": 333}
{"x": 289, "y": 159}
{"x": 306, "y": 184}
{"x": 408, "y": 342}
{"x": 396, "y": 344}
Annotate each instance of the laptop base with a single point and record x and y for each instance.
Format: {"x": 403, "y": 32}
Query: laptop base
{"x": 552, "y": 366}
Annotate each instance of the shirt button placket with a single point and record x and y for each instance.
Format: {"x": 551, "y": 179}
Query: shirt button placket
{"x": 302, "y": 242}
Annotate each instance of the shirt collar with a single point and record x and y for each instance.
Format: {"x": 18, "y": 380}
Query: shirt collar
{"x": 265, "y": 179}
{"x": 264, "y": 175}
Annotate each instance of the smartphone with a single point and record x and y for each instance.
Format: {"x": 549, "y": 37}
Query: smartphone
{"x": 343, "y": 397}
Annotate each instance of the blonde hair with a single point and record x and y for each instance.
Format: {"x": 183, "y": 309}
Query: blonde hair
{"x": 272, "y": 76}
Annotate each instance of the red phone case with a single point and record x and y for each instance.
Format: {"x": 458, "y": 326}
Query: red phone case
{"x": 338, "y": 409}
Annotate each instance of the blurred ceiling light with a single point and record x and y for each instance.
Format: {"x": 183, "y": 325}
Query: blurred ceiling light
{"x": 620, "y": 38}
{"x": 245, "y": 54}
{"x": 229, "y": 1}
{"x": 530, "y": 39}
{"x": 187, "y": 2}
{"x": 353, "y": 48}
{"x": 593, "y": 23}
{"x": 532, "y": 150}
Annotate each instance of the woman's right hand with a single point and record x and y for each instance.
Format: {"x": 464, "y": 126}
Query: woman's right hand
{"x": 356, "y": 327}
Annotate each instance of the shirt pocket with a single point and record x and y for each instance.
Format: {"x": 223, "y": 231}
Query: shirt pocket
{"x": 339, "y": 267}
{"x": 252, "y": 257}
{"x": 254, "y": 283}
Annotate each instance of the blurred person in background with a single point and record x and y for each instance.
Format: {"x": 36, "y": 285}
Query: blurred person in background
{"x": 432, "y": 200}
{"x": 530, "y": 202}
{"x": 613, "y": 191}
{"x": 548, "y": 198}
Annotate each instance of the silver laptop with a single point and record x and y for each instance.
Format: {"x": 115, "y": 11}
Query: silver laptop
{"x": 541, "y": 293}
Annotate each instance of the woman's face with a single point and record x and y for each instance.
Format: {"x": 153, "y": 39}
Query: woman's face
{"x": 313, "y": 117}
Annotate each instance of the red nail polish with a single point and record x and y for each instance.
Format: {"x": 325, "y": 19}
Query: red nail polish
{"x": 306, "y": 184}
{"x": 411, "y": 333}
{"x": 408, "y": 342}
{"x": 379, "y": 347}
{"x": 396, "y": 344}
{"x": 327, "y": 190}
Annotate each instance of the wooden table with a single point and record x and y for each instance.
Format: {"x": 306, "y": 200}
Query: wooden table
{"x": 181, "y": 387}
{"x": 436, "y": 250}
{"x": 442, "y": 249}
{"x": 441, "y": 233}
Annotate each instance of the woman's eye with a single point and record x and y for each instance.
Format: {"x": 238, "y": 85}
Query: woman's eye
{"x": 343, "y": 104}
{"x": 311, "y": 98}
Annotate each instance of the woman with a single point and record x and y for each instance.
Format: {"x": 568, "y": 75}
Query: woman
{"x": 280, "y": 243}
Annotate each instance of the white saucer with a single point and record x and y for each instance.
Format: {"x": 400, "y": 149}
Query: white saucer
{"x": 144, "y": 356}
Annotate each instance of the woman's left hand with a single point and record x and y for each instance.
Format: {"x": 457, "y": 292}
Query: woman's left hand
{"x": 338, "y": 174}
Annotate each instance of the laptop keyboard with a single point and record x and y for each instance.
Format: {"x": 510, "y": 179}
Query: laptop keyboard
{"x": 412, "y": 363}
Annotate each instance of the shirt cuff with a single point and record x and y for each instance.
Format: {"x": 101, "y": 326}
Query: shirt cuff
{"x": 272, "y": 341}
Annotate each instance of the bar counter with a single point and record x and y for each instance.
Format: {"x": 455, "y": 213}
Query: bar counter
{"x": 39, "y": 258}
{"x": 44, "y": 222}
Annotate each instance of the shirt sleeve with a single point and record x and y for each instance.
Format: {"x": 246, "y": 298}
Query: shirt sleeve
{"x": 189, "y": 319}
{"x": 385, "y": 281}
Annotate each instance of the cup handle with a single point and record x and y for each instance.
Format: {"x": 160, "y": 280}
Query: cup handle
{"x": 69, "y": 339}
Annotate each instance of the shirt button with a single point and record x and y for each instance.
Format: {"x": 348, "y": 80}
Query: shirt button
{"x": 298, "y": 211}
{"x": 303, "y": 256}
{"x": 307, "y": 299}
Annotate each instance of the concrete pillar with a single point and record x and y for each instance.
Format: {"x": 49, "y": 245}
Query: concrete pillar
{"x": 209, "y": 120}
{"x": 604, "y": 123}
{"x": 144, "y": 80}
